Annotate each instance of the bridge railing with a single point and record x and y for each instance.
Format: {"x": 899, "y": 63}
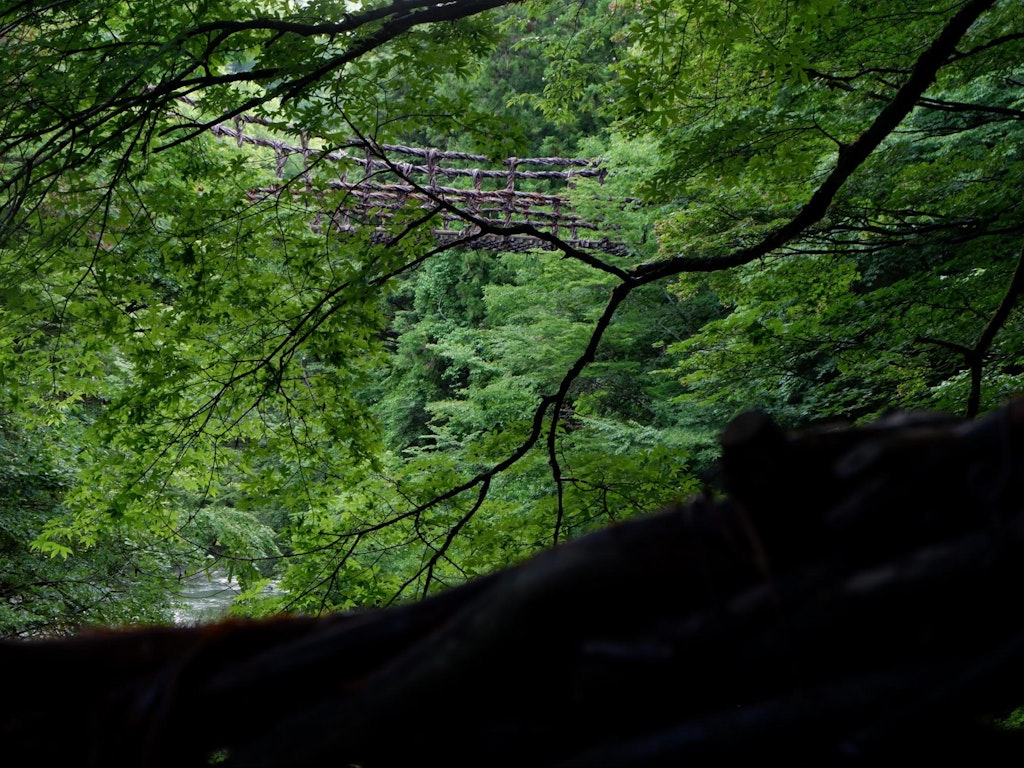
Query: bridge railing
{"x": 379, "y": 180}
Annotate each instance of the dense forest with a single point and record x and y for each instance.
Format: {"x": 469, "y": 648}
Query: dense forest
{"x": 810, "y": 207}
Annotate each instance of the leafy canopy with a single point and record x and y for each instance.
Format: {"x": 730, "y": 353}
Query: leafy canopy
{"x": 816, "y": 203}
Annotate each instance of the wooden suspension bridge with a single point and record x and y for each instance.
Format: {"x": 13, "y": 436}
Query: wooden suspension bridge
{"x": 473, "y": 207}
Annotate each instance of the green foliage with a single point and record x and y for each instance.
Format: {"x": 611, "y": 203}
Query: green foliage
{"x": 196, "y": 366}
{"x": 1014, "y": 721}
{"x": 124, "y": 579}
{"x": 877, "y": 307}
{"x": 223, "y": 529}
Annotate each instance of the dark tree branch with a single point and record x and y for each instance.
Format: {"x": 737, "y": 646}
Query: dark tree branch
{"x": 134, "y": 102}
{"x": 988, "y": 45}
{"x": 976, "y": 359}
{"x": 410, "y": 12}
{"x": 849, "y": 158}
{"x": 944, "y": 105}
{"x": 427, "y": 572}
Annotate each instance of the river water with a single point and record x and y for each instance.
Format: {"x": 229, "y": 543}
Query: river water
{"x": 206, "y": 596}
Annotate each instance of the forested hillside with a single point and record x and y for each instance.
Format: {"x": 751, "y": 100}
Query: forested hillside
{"x": 815, "y": 209}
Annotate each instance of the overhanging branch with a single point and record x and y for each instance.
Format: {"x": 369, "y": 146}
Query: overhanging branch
{"x": 850, "y": 157}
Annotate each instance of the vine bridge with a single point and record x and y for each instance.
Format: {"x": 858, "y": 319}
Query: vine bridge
{"x": 476, "y": 215}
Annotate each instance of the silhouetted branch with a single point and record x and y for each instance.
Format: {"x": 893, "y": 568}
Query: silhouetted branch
{"x": 999, "y": 318}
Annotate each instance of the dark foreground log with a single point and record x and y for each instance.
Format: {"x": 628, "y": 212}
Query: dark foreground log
{"x": 856, "y": 600}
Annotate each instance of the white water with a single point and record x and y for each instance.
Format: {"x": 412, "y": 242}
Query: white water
{"x": 206, "y": 597}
